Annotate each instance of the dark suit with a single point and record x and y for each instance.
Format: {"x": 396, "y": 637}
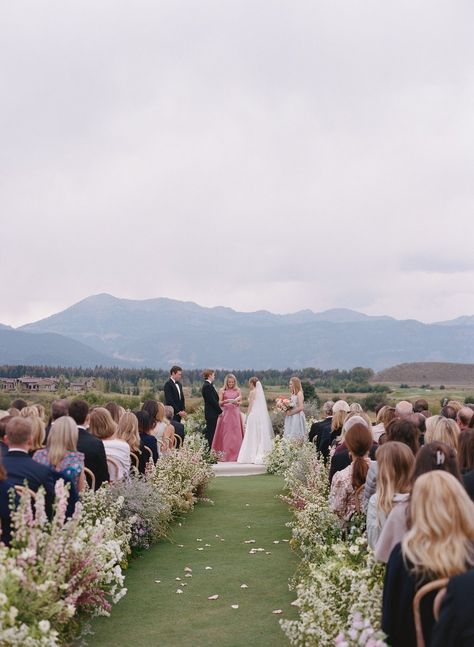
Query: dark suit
{"x": 455, "y": 627}
{"x": 5, "y": 512}
{"x": 3, "y": 448}
{"x": 468, "y": 479}
{"x": 212, "y": 410}
{"x": 94, "y": 455}
{"x": 147, "y": 440}
{"x": 178, "y": 428}
{"x": 21, "y": 467}
{"x": 173, "y": 398}
{"x": 320, "y": 430}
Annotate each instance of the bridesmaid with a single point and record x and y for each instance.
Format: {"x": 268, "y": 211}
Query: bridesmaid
{"x": 295, "y": 421}
{"x": 230, "y": 430}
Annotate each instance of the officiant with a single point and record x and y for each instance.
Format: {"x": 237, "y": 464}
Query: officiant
{"x": 212, "y": 410}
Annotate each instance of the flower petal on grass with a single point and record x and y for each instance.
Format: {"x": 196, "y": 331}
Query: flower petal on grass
{"x": 179, "y": 590}
{"x": 157, "y": 581}
{"x": 276, "y": 541}
{"x": 234, "y": 606}
{"x": 188, "y": 575}
{"x": 198, "y": 539}
{"x": 188, "y": 569}
{"x": 178, "y": 579}
{"x": 208, "y": 568}
{"x": 244, "y": 586}
{"x": 213, "y": 597}
{"x": 277, "y": 612}
{"x": 207, "y": 545}
{"x": 199, "y": 548}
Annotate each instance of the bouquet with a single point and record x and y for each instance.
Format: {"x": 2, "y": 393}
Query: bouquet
{"x": 283, "y": 404}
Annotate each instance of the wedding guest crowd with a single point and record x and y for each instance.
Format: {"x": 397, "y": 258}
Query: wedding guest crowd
{"x": 418, "y": 500}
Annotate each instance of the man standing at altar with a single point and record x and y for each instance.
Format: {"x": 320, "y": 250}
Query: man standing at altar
{"x": 212, "y": 409}
{"x": 174, "y": 394}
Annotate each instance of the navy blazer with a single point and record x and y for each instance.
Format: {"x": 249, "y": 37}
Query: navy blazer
{"x": 3, "y": 448}
{"x": 5, "y": 487}
{"x": 455, "y": 627}
{"x": 151, "y": 442}
{"x": 21, "y": 467}
{"x": 94, "y": 455}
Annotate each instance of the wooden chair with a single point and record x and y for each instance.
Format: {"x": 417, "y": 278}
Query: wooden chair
{"x": 135, "y": 461}
{"x": 150, "y": 453}
{"x": 21, "y": 489}
{"x": 178, "y": 441}
{"x": 90, "y": 478}
{"x": 420, "y": 594}
{"x": 114, "y": 469}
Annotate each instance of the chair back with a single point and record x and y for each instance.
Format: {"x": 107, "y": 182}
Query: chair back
{"x": 420, "y": 594}
{"x": 90, "y": 478}
{"x": 150, "y": 453}
{"x": 178, "y": 441}
{"x": 114, "y": 469}
{"x": 134, "y": 459}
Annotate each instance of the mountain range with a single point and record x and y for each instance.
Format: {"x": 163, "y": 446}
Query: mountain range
{"x": 109, "y": 331}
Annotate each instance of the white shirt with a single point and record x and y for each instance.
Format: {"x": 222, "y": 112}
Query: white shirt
{"x": 177, "y": 386}
{"x": 120, "y": 450}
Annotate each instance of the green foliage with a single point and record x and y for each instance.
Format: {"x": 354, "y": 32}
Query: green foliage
{"x": 4, "y": 401}
{"x": 469, "y": 399}
{"x": 309, "y": 391}
{"x": 373, "y": 400}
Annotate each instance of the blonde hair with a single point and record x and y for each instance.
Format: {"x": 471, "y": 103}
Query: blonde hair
{"x": 127, "y": 430}
{"x": 101, "y": 423}
{"x": 442, "y": 429}
{"x": 160, "y": 413}
{"x": 454, "y": 404}
{"x": 439, "y": 542}
{"x": 356, "y": 408}
{"x": 41, "y": 411}
{"x": 228, "y": 377}
{"x": 395, "y": 462}
{"x": 296, "y": 383}
{"x": 338, "y": 420}
{"x": 37, "y": 426}
{"x": 360, "y": 417}
{"x": 61, "y": 439}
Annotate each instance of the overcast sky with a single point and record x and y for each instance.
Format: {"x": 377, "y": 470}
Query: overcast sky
{"x": 254, "y": 154}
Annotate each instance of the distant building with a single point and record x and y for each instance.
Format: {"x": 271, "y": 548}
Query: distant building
{"x": 8, "y": 383}
{"x": 49, "y": 384}
{"x": 81, "y": 386}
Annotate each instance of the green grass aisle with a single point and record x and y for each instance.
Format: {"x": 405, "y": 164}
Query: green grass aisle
{"x": 246, "y": 508}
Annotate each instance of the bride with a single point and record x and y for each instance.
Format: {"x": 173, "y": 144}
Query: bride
{"x": 258, "y": 439}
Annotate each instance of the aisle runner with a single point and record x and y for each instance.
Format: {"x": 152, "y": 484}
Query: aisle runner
{"x": 213, "y": 553}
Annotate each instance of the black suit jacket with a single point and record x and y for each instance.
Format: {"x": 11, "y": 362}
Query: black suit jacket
{"x": 212, "y": 409}
{"x": 94, "y": 455}
{"x": 5, "y": 487}
{"x": 149, "y": 441}
{"x": 173, "y": 399}
{"x": 468, "y": 479}
{"x": 318, "y": 430}
{"x": 455, "y": 627}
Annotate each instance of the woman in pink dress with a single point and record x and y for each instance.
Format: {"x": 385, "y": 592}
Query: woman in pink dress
{"x": 230, "y": 430}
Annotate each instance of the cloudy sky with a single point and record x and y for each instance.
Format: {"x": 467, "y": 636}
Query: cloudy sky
{"x": 256, "y": 154}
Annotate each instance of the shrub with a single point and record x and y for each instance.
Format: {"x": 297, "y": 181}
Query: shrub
{"x": 373, "y": 400}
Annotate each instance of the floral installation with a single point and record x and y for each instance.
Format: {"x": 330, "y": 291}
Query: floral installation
{"x": 283, "y": 453}
{"x": 57, "y": 574}
{"x": 338, "y": 583}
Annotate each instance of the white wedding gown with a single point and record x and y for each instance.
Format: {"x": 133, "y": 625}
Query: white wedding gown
{"x": 258, "y": 438}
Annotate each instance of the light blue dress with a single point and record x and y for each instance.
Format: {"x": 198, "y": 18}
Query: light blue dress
{"x": 295, "y": 426}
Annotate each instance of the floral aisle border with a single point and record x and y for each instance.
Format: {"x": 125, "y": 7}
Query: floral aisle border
{"x": 58, "y": 574}
{"x": 338, "y": 583}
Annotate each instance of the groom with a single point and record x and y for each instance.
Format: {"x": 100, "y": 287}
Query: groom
{"x": 212, "y": 409}
{"x": 174, "y": 394}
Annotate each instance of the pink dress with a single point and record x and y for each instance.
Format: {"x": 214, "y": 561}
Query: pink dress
{"x": 230, "y": 430}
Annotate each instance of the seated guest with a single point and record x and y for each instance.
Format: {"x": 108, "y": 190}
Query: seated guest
{"x": 439, "y": 544}
{"x": 455, "y": 626}
{"x": 345, "y": 497}
{"x": 61, "y": 451}
{"x": 322, "y": 428}
{"x": 92, "y": 448}
{"x": 420, "y": 406}
{"x": 38, "y": 427}
{"x": 448, "y": 412}
{"x": 444, "y": 430}
{"x": 341, "y": 458}
{"x": 340, "y": 412}
{"x": 466, "y": 450}
{"x": 127, "y": 430}
{"x": 5, "y": 486}
{"x": 19, "y": 404}
{"x": 403, "y": 431}
{"x": 3, "y": 425}
{"x": 102, "y": 426}
{"x": 21, "y": 467}
{"x": 59, "y": 408}
{"x": 394, "y": 477}
{"x": 385, "y": 415}
{"x": 114, "y": 410}
{"x": 434, "y": 456}
{"x": 163, "y": 430}
{"x": 355, "y": 407}
{"x": 146, "y": 440}
{"x": 403, "y": 409}
{"x": 463, "y": 417}
{"x": 177, "y": 426}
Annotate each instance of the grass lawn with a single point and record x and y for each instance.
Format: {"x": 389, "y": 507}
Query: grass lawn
{"x": 154, "y": 614}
